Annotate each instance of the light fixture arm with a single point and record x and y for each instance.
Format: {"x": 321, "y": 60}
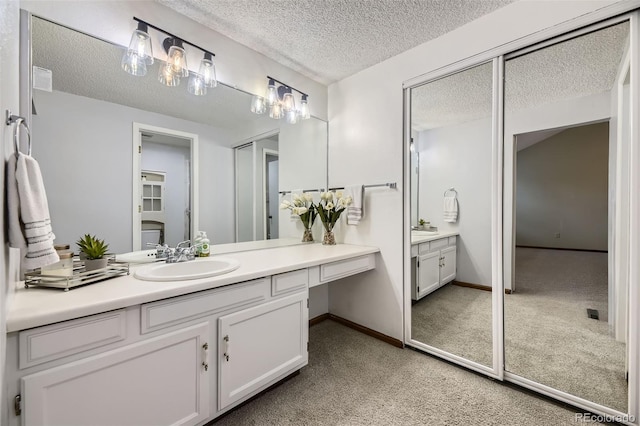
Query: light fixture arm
{"x": 287, "y": 86}
{"x": 140, "y": 21}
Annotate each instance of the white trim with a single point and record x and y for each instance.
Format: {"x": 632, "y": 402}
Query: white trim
{"x": 563, "y": 396}
{"x": 273, "y": 153}
{"x": 572, "y": 25}
{"x": 497, "y": 282}
{"x": 406, "y": 214}
{"x": 136, "y": 145}
{"x": 634, "y": 220}
{"x": 467, "y": 363}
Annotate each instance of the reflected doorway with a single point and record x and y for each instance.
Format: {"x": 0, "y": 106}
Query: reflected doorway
{"x": 163, "y": 189}
{"x": 559, "y": 328}
{"x": 271, "y": 185}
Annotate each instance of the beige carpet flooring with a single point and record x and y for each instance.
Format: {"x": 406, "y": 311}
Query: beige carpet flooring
{"x": 457, "y": 320}
{"x": 548, "y": 336}
{"x": 354, "y": 379}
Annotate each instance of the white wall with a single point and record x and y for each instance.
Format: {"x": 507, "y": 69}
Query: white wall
{"x": 303, "y": 149}
{"x": 459, "y": 156}
{"x": 236, "y": 65}
{"x": 366, "y": 145}
{"x": 562, "y": 190}
{"x": 102, "y": 131}
{"x": 9, "y": 29}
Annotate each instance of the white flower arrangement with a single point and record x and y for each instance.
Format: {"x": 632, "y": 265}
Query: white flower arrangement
{"x": 302, "y": 206}
{"x": 330, "y": 208}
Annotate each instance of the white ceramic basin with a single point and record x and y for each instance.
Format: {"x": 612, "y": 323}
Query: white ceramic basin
{"x": 423, "y": 233}
{"x": 192, "y": 270}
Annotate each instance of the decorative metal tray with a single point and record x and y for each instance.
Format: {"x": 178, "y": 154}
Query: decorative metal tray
{"x": 80, "y": 275}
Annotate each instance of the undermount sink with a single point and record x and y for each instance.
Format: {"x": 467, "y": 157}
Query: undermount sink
{"x": 192, "y": 270}
{"x": 417, "y": 233}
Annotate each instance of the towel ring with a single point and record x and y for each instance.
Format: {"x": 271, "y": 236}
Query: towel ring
{"x": 19, "y": 122}
{"x": 451, "y": 190}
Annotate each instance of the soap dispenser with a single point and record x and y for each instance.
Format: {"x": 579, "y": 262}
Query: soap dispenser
{"x": 204, "y": 245}
{"x": 197, "y": 242}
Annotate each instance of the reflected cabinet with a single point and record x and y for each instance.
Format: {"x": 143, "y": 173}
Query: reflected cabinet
{"x": 529, "y": 158}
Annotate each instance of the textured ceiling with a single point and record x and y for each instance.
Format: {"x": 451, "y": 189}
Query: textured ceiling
{"x": 573, "y": 69}
{"x": 86, "y": 66}
{"x": 328, "y": 40}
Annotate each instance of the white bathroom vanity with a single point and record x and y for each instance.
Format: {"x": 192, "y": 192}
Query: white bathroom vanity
{"x": 132, "y": 352}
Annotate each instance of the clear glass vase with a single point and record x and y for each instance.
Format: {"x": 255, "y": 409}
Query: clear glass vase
{"x": 307, "y": 236}
{"x": 329, "y": 239}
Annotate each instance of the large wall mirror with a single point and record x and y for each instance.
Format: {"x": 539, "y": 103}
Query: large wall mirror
{"x": 567, "y": 128}
{"x": 451, "y": 192}
{"x": 521, "y": 262}
{"x": 205, "y": 163}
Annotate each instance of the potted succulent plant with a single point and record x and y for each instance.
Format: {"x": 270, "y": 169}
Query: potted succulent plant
{"x": 93, "y": 251}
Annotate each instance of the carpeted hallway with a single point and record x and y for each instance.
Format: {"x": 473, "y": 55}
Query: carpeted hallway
{"x": 354, "y": 379}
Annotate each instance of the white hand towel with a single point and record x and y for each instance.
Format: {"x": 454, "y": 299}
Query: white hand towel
{"x": 29, "y": 222}
{"x": 450, "y": 209}
{"x": 355, "y": 211}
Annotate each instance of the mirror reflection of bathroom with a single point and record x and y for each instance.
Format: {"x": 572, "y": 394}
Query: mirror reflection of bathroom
{"x": 108, "y": 102}
{"x": 451, "y": 190}
{"x": 566, "y": 303}
{"x": 165, "y": 189}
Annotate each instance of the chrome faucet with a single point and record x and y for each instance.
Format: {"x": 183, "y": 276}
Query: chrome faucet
{"x": 183, "y": 252}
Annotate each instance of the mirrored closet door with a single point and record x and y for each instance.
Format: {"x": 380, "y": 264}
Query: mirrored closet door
{"x": 451, "y": 227}
{"x": 523, "y": 215}
{"x": 566, "y": 115}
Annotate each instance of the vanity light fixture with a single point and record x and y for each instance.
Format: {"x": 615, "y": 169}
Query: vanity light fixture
{"x": 139, "y": 55}
{"x": 281, "y": 102}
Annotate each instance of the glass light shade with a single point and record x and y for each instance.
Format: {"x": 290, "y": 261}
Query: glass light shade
{"x": 276, "y": 111}
{"x": 304, "y": 108}
{"x": 197, "y": 85}
{"x": 166, "y": 75}
{"x": 134, "y": 64}
{"x": 140, "y": 44}
{"x": 272, "y": 93}
{"x": 288, "y": 103}
{"x": 208, "y": 71}
{"x": 258, "y": 105}
{"x": 291, "y": 116}
{"x": 177, "y": 57}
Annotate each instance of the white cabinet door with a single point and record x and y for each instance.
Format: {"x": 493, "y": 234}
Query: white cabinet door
{"x": 160, "y": 381}
{"x": 428, "y": 273}
{"x": 448, "y": 262}
{"x": 260, "y": 345}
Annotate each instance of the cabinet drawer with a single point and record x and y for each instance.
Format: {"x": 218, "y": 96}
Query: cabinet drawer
{"x": 55, "y": 341}
{"x": 423, "y": 248}
{"x": 452, "y": 240}
{"x": 438, "y": 244}
{"x": 340, "y": 269}
{"x": 168, "y": 312}
{"x": 289, "y": 282}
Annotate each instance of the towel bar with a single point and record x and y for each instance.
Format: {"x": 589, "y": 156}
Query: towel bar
{"x": 19, "y": 122}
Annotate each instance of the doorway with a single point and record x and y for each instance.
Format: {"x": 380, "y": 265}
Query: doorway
{"x": 164, "y": 186}
{"x": 559, "y": 300}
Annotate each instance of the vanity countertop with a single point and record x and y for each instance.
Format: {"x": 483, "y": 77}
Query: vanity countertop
{"x": 37, "y": 306}
{"x": 427, "y": 238}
